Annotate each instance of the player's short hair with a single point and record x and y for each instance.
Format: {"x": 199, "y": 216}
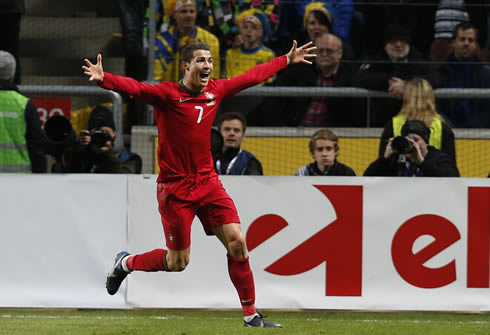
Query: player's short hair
{"x": 232, "y": 116}
{"x": 323, "y": 134}
{"x": 188, "y": 51}
{"x": 464, "y": 26}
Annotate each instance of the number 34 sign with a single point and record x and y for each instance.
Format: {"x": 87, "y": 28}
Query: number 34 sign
{"x": 47, "y": 107}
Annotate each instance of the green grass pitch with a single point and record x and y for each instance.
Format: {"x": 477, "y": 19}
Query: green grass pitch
{"x": 183, "y": 322}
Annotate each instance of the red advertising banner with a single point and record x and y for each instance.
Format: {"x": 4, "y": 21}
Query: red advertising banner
{"x": 48, "y": 106}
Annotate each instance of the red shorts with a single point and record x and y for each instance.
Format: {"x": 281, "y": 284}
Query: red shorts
{"x": 180, "y": 201}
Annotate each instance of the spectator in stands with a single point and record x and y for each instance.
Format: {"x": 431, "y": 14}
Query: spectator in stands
{"x": 94, "y": 152}
{"x": 324, "y": 148}
{"x": 390, "y": 68}
{"x": 317, "y": 17}
{"x": 132, "y": 18}
{"x": 328, "y": 71}
{"x": 182, "y": 31}
{"x": 11, "y": 12}
{"x": 465, "y": 70}
{"x": 21, "y": 137}
{"x": 219, "y": 17}
{"x": 448, "y": 15}
{"x": 234, "y": 160}
{"x": 410, "y": 155}
{"x": 253, "y": 26}
{"x": 419, "y": 104}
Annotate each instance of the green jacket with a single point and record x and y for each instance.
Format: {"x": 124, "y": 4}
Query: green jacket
{"x": 22, "y": 145}
{"x": 14, "y": 156}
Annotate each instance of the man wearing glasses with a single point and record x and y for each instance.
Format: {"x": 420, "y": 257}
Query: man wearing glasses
{"x": 318, "y": 111}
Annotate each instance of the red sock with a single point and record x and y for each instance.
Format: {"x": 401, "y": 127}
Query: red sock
{"x": 242, "y": 278}
{"x": 149, "y": 261}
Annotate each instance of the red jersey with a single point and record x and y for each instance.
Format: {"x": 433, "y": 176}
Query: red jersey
{"x": 184, "y": 118}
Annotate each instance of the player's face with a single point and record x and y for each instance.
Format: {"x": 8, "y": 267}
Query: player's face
{"x": 233, "y": 135}
{"x": 198, "y": 71}
{"x": 464, "y": 45}
{"x": 324, "y": 153}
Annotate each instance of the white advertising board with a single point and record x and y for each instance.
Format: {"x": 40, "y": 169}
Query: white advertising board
{"x": 331, "y": 243}
{"x": 58, "y": 237}
{"x": 319, "y": 243}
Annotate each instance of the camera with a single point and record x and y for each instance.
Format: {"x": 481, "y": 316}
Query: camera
{"x": 99, "y": 138}
{"x": 401, "y": 145}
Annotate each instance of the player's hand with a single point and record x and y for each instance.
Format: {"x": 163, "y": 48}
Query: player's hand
{"x": 94, "y": 71}
{"x": 300, "y": 55}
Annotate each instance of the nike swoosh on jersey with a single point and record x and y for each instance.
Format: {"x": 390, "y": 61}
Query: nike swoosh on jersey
{"x": 182, "y": 100}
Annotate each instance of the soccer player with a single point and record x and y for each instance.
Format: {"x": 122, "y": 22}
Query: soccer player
{"x": 188, "y": 184}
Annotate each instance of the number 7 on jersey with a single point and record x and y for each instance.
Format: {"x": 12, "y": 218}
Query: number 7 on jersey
{"x": 201, "y": 110}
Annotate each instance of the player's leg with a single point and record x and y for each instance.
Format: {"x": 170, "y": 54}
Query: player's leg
{"x": 177, "y": 219}
{"x": 241, "y": 274}
{"x": 219, "y": 217}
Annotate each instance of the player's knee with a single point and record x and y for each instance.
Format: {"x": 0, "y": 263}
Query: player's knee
{"x": 178, "y": 264}
{"x": 237, "y": 247}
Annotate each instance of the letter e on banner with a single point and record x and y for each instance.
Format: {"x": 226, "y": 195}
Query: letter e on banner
{"x": 339, "y": 244}
{"x": 410, "y": 266}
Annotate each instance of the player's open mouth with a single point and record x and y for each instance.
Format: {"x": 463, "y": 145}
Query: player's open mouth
{"x": 204, "y": 75}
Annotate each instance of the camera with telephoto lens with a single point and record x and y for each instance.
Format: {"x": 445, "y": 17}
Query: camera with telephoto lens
{"x": 99, "y": 137}
{"x": 401, "y": 145}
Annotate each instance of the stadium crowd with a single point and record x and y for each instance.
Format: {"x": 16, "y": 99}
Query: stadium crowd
{"x": 405, "y": 50}
{"x": 374, "y": 44}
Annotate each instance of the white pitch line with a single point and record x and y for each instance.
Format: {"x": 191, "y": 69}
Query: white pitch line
{"x": 175, "y": 317}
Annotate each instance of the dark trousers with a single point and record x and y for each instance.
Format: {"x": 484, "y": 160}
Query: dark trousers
{"x": 132, "y": 18}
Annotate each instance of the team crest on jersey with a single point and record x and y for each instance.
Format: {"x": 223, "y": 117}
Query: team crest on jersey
{"x": 210, "y": 96}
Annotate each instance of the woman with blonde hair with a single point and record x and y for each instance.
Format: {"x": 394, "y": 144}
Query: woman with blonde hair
{"x": 419, "y": 104}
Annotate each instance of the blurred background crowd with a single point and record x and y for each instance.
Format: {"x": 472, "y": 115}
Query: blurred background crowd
{"x": 405, "y": 50}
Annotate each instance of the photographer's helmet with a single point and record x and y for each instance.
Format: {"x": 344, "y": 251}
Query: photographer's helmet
{"x": 416, "y": 127}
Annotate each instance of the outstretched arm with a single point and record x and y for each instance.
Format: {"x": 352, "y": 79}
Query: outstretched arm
{"x": 262, "y": 72}
{"x": 94, "y": 71}
{"x": 300, "y": 55}
{"x": 144, "y": 92}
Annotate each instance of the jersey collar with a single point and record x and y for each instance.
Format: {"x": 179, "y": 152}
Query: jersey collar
{"x": 191, "y": 92}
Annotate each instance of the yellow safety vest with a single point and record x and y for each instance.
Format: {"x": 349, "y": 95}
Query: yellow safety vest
{"x": 435, "y": 139}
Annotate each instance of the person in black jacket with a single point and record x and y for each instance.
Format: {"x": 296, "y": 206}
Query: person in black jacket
{"x": 410, "y": 155}
{"x": 233, "y": 160}
{"x": 419, "y": 104}
{"x": 388, "y": 71}
{"x": 329, "y": 71}
{"x": 93, "y": 151}
{"x": 324, "y": 148}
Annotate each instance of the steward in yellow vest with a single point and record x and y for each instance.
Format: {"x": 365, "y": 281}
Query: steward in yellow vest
{"x": 21, "y": 138}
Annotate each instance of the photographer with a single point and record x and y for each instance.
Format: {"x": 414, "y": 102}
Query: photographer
{"x": 410, "y": 155}
{"x": 93, "y": 152}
